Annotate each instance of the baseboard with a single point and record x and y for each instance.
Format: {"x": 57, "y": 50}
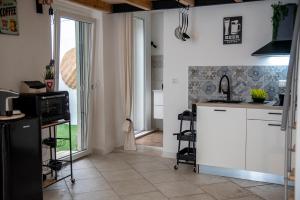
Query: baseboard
{"x": 144, "y": 133}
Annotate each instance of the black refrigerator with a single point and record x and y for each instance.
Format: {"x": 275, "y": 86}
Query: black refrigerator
{"x": 21, "y": 162}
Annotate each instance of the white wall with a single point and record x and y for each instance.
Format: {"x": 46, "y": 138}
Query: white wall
{"x": 206, "y": 49}
{"x": 157, "y": 27}
{"x": 24, "y": 57}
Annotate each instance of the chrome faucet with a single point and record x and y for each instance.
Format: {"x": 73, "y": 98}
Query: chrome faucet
{"x": 221, "y": 90}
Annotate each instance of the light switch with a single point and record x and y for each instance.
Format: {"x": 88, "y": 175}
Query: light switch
{"x": 175, "y": 80}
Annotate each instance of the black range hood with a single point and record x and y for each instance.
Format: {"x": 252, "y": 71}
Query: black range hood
{"x": 281, "y": 45}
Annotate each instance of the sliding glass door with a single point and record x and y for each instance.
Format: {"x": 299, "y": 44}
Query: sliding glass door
{"x": 74, "y": 50}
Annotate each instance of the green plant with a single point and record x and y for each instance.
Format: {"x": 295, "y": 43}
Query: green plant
{"x": 258, "y": 94}
{"x": 279, "y": 13}
{"x": 49, "y": 73}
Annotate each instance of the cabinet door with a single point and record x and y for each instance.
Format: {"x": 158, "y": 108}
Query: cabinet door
{"x": 265, "y": 147}
{"x": 26, "y": 163}
{"x": 158, "y": 112}
{"x": 158, "y": 98}
{"x": 221, "y": 137}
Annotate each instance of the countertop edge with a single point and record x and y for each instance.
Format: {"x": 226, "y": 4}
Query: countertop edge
{"x": 240, "y": 105}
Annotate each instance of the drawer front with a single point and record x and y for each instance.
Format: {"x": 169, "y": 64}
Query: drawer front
{"x": 267, "y": 115}
{"x": 158, "y": 112}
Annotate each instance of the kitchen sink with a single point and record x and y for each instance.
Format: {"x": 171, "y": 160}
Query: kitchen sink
{"x": 224, "y": 101}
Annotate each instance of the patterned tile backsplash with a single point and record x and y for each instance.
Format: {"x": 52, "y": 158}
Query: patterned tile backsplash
{"x": 204, "y": 81}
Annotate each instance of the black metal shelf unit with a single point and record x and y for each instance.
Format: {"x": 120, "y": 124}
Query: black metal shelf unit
{"x": 186, "y": 155}
{"x": 55, "y": 164}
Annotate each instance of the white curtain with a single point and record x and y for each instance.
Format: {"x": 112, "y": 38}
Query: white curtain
{"x": 127, "y": 84}
{"x": 84, "y": 39}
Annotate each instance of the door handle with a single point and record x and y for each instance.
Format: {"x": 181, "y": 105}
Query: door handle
{"x": 219, "y": 110}
{"x": 274, "y": 124}
{"x": 26, "y": 126}
{"x": 272, "y": 113}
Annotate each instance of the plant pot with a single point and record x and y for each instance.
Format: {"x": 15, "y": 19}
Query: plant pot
{"x": 258, "y": 100}
{"x": 49, "y": 85}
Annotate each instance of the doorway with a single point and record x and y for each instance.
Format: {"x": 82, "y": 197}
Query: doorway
{"x": 148, "y": 41}
{"x": 73, "y": 51}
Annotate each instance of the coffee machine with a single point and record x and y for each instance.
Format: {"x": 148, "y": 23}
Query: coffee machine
{"x": 6, "y": 104}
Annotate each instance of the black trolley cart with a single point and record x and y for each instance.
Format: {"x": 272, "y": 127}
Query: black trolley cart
{"x": 186, "y": 155}
{"x": 54, "y": 163}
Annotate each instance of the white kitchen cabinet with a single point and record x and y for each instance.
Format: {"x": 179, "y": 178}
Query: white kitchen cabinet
{"x": 267, "y": 115}
{"x": 158, "y": 112}
{"x": 265, "y": 147}
{"x": 221, "y": 137}
{"x": 158, "y": 104}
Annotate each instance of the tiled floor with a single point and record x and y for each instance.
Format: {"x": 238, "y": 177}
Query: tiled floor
{"x": 154, "y": 139}
{"x": 147, "y": 176}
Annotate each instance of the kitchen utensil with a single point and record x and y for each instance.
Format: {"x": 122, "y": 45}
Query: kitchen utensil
{"x": 178, "y": 29}
{"x": 184, "y": 34}
{"x": 183, "y": 24}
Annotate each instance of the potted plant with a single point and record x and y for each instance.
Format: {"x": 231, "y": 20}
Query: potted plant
{"x": 258, "y": 95}
{"x": 280, "y": 11}
{"x": 49, "y": 77}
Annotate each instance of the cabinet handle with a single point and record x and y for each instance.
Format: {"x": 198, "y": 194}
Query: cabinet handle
{"x": 272, "y": 113}
{"x": 217, "y": 110}
{"x": 274, "y": 124}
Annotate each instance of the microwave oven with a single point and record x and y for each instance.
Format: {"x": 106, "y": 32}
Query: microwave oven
{"x": 49, "y": 107}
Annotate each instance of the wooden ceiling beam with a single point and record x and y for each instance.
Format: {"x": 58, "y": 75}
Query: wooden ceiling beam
{"x": 187, "y": 2}
{"x": 173, "y": 4}
{"x": 96, "y": 4}
{"x": 142, "y": 4}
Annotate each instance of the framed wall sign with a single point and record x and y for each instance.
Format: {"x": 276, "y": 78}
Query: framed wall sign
{"x": 8, "y": 17}
{"x": 232, "y": 30}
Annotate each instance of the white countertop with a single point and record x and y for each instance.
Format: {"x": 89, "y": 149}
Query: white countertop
{"x": 241, "y": 105}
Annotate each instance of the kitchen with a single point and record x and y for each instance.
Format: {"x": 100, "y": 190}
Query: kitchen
{"x": 191, "y": 73}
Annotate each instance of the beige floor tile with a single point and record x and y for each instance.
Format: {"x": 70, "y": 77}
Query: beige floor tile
{"x": 111, "y": 165}
{"x": 83, "y": 164}
{"x": 122, "y": 175}
{"x": 97, "y": 195}
{"x": 146, "y": 196}
{"x": 226, "y": 190}
{"x": 194, "y": 197}
{"x": 132, "y": 187}
{"x": 88, "y": 185}
{"x": 178, "y": 188}
{"x": 134, "y": 159}
{"x": 183, "y": 169}
{"x": 149, "y": 166}
{"x": 62, "y": 194}
{"x": 88, "y": 173}
{"x": 204, "y": 179}
{"x": 252, "y": 197}
{"x": 116, "y": 156}
{"x": 269, "y": 192}
{"x": 57, "y": 186}
{"x": 161, "y": 176}
{"x": 246, "y": 183}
